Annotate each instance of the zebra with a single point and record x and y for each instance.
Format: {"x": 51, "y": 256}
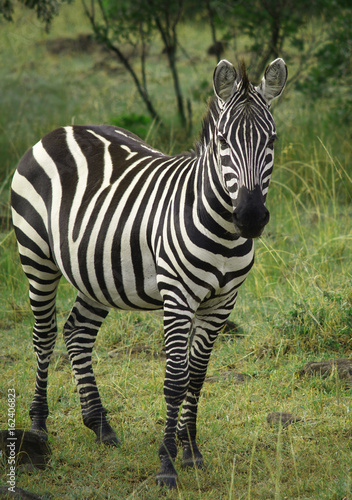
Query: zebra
{"x": 135, "y": 229}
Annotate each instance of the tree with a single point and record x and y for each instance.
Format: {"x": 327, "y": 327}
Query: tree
{"x": 330, "y": 75}
{"x": 136, "y": 22}
{"x": 165, "y": 16}
{"x": 331, "y": 68}
{"x": 275, "y": 28}
{"x": 115, "y": 23}
{"x": 45, "y": 9}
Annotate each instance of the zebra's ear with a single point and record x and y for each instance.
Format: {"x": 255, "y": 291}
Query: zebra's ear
{"x": 224, "y": 80}
{"x": 274, "y": 80}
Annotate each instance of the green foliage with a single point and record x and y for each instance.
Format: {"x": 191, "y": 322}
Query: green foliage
{"x": 282, "y": 31}
{"x": 204, "y": 88}
{"x": 45, "y": 10}
{"x": 136, "y": 23}
{"x": 138, "y": 124}
{"x": 273, "y": 28}
{"x": 330, "y": 74}
{"x": 320, "y": 325}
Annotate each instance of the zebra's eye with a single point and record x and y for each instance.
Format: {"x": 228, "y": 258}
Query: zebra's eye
{"x": 222, "y": 142}
{"x": 271, "y": 141}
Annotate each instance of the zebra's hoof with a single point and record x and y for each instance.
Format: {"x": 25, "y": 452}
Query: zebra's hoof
{"x": 39, "y": 427}
{"x": 167, "y": 474}
{"x": 105, "y": 433}
{"x": 192, "y": 457}
{"x": 109, "y": 440}
{"x": 167, "y": 480}
{"x": 198, "y": 463}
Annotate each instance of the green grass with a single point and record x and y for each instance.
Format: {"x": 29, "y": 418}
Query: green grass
{"x": 295, "y": 306}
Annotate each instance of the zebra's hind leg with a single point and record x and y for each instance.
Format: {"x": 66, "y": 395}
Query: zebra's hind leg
{"x": 203, "y": 337}
{"x": 42, "y": 294}
{"x": 80, "y": 332}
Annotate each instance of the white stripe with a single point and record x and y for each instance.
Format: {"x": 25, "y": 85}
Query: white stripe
{"x": 24, "y": 188}
{"x": 50, "y": 168}
{"x": 31, "y": 233}
{"x": 82, "y": 174}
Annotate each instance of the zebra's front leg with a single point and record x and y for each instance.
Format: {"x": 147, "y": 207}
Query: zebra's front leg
{"x": 177, "y": 328}
{"x": 203, "y": 337}
{"x": 80, "y": 332}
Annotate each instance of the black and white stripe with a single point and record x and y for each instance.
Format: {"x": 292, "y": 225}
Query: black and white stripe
{"x": 132, "y": 228}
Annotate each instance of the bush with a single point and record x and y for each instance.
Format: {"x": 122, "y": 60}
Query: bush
{"x": 138, "y": 124}
{"x": 317, "y": 326}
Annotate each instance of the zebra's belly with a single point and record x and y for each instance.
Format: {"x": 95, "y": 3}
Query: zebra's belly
{"x": 130, "y": 298}
{"x": 114, "y": 279}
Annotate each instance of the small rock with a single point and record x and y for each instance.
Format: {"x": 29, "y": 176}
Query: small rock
{"x": 19, "y": 494}
{"x": 31, "y": 449}
{"x": 281, "y": 418}
{"x": 342, "y": 366}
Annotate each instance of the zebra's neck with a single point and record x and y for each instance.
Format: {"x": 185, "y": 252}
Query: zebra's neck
{"x": 212, "y": 201}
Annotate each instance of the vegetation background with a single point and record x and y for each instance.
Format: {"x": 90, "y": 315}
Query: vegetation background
{"x": 295, "y": 307}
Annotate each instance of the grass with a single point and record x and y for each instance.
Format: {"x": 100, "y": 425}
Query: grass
{"x": 295, "y": 306}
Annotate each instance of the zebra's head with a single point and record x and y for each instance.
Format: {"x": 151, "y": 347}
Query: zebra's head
{"x": 244, "y": 137}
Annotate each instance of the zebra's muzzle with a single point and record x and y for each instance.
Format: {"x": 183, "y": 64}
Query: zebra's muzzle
{"x": 250, "y": 215}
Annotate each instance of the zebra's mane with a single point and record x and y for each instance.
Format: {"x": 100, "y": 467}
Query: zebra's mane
{"x": 242, "y": 77}
{"x": 209, "y": 121}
